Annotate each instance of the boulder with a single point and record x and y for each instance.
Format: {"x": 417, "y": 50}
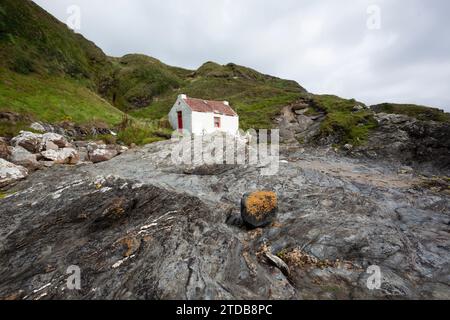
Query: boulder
{"x": 49, "y": 145}
{"x": 348, "y": 147}
{"x": 62, "y": 156}
{"x": 410, "y": 141}
{"x": 358, "y": 108}
{"x": 102, "y": 154}
{"x": 300, "y": 112}
{"x": 80, "y": 144}
{"x": 22, "y": 157}
{"x": 4, "y": 149}
{"x": 83, "y": 153}
{"x": 36, "y": 126}
{"x": 28, "y": 140}
{"x": 55, "y": 138}
{"x": 10, "y": 173}
{"x": 121, "y": 149}
{"x": 99, "y": 152}
{"x": 259, "y": 209}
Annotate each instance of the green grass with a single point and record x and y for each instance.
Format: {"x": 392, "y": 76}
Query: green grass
{"x": 415, "y": 111}
{"x": 31, "y": 40}
{"x": 142, "y": 132}
{"x": 347, "y": 126}
{"x": 139, "y": 79}
{"x": 259, "y": 114}
{"x": 257, "y": 98}
{"x": 4, "y": 194}
{"x": 53, "y": 99}
{"x": 52, "y": 74}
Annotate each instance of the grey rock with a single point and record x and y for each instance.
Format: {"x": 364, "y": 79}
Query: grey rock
{"x": 49, "y": 145}
{"x": 62, "y": 156}
{"x": 4, "y": 149}
{"x": 28, "y": 140}
{"x": 348, "y": 147}
{"x": 22, "y": 157}
{"x": 54, "y": 138}
{"x": 11, "y": 173}
{"x": 410, "y": 141}
{"x": 37, "y": 127}
{"x": 101, "y": 153}
{"x": 139, "y": 228}
{"x": 358, "y": 108}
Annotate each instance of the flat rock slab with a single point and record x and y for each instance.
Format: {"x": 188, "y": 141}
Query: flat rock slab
{"x": 139, "y": 220}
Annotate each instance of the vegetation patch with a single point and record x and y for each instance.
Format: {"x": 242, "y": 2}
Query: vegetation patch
{"x": 140, "y": 132}
{"x": 257, "y": 98}
{"x": 435, "y": 184}
{"x": 138, "y": 79}
{"x": 342, "y": 121}
{"x": 415, "y": 111}
{"x": 297, "y": 258}
{"x": 53, "y": 99}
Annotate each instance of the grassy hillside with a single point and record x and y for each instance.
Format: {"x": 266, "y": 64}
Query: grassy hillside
{"x": 53, "y": 74}
{"x": 138, "y": 79}
{"x": 50, "y": 73}
{"x": 33, "y": 41}
{"x": 256, "y": 97}
{"x": 52, "y": 100}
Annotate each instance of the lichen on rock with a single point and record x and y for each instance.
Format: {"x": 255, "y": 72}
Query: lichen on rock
{"x": 258, "y": 208}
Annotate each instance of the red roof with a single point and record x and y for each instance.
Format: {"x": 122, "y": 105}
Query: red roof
{"x": 219, "y": 107}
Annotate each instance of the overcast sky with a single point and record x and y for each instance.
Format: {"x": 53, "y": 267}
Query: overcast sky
{"x": 328, "y": 46}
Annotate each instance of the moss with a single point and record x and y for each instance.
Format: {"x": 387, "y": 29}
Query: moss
{"x": 4, "y": 194}
{"x": 297, "y": 258}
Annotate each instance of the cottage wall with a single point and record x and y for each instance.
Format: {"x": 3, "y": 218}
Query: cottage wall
{"x": 180, "y": 105}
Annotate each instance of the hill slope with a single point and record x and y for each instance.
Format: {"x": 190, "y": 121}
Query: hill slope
{"x": 255, "y": 96}
{"x": 33, "y": 41}
{"x": 47, "y": 72}
{"x": 50, "y": 73}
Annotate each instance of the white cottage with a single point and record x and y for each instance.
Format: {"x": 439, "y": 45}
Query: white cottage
{"x": 200, "y": 116}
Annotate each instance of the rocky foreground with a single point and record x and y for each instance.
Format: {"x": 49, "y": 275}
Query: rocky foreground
{"x": 140, "y": 227}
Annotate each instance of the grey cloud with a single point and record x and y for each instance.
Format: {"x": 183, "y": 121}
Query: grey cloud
{"x": 324, "y": 45}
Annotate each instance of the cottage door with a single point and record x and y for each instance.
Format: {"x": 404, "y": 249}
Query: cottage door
{"x": 180, "y": 120}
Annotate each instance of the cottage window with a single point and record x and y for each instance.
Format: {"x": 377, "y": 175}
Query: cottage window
{"x": 216, "y": 122}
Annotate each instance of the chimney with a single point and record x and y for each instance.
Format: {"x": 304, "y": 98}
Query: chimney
{"x": 226, "y": 103}
{"x": 182, "y": 96}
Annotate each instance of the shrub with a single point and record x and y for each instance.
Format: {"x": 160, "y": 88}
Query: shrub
{"x": 138, "y": 132}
